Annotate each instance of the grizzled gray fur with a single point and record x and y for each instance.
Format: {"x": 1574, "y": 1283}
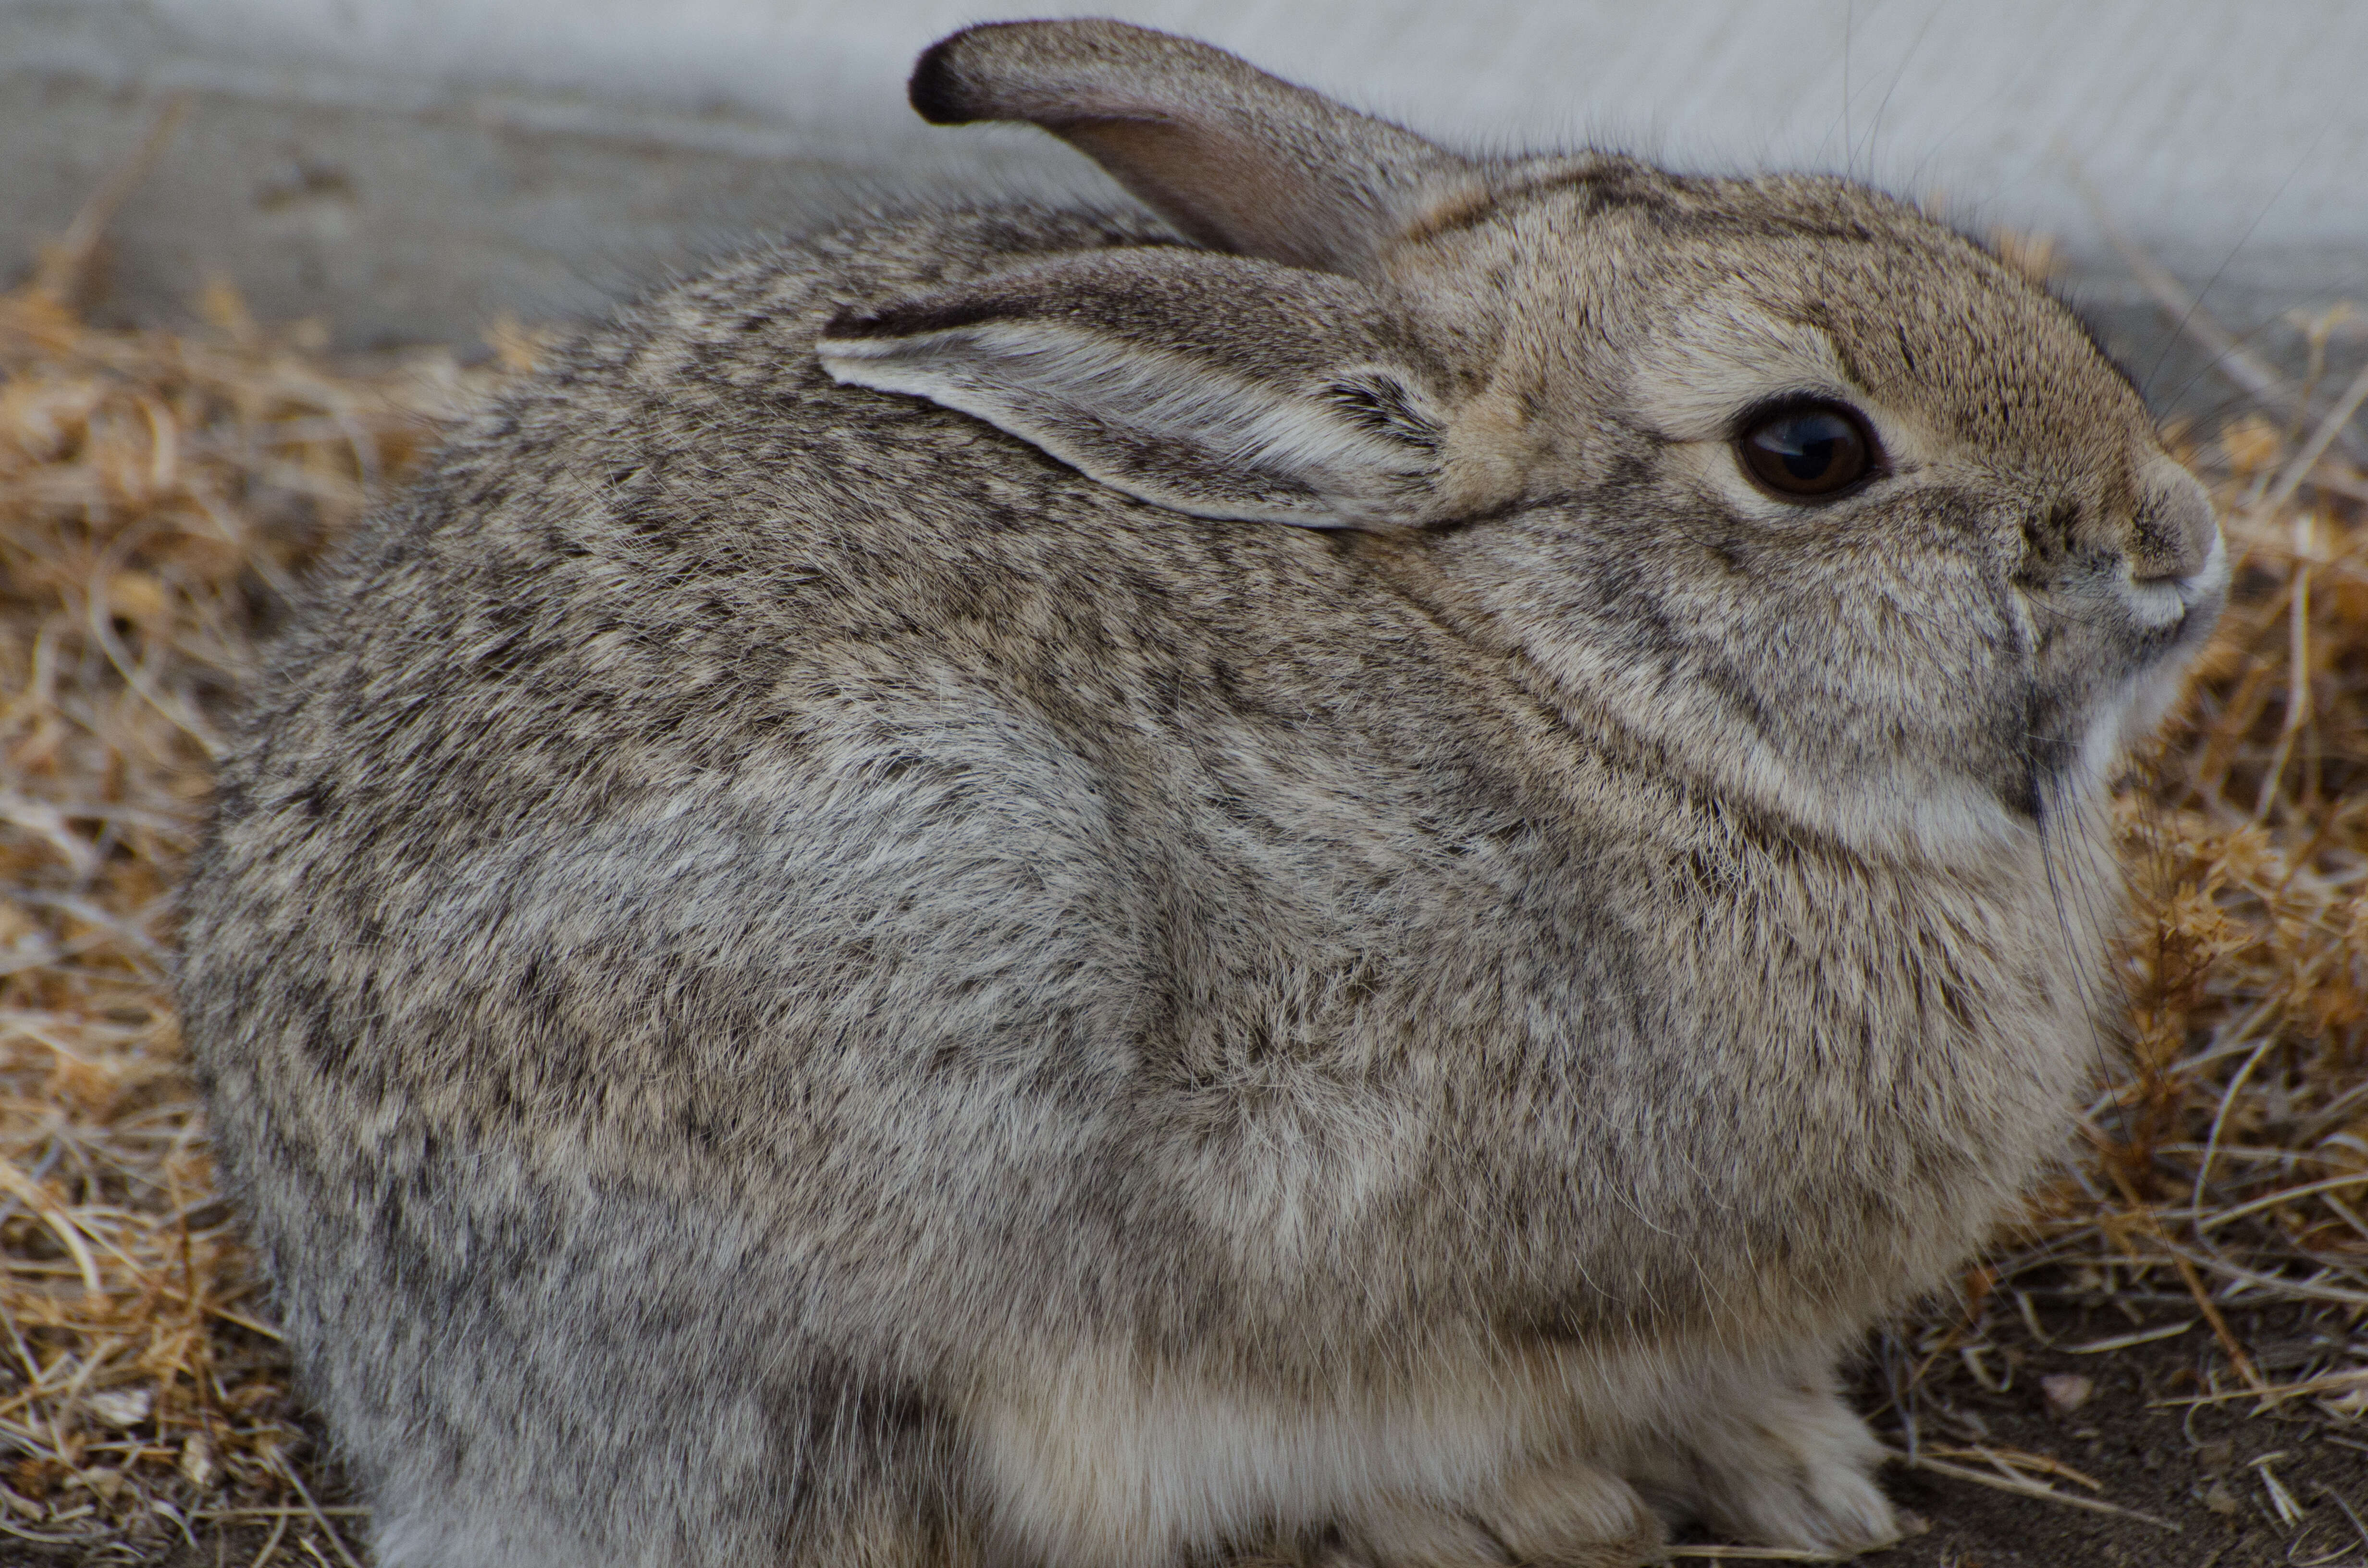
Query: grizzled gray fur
{"x": 1047, "y": 888}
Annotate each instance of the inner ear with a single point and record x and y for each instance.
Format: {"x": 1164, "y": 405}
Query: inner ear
{"x": 1235, "y": 158}
{"x": 1375, "y": 401}
{"x": 1217, "y": 386}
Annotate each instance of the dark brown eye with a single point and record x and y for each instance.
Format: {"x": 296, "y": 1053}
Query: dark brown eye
{"x": 1807, "y": 451}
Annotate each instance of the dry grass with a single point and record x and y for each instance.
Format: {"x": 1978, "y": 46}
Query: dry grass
{"x": 157, "y": 495}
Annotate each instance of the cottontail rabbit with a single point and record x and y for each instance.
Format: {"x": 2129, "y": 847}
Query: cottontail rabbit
{"x": 1007, "y": 887}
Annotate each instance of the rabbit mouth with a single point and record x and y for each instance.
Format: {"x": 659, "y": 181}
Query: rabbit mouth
{"x": 2183, "y": 608}
{"x": 2170, "y": 619}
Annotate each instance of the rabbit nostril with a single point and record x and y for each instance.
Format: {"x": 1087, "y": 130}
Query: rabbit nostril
{"x": 2049, "y": 539}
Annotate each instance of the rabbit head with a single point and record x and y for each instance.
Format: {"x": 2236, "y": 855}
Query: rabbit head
{"x": 1801, "y": 486}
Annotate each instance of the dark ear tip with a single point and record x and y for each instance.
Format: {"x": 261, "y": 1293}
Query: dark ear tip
{"x": 851, "y": 320}
{"x": 936, "y": 90}
{"x": 909, "y": 318}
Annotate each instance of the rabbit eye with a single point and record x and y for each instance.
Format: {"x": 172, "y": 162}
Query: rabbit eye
{"x": 1808, "y": 451}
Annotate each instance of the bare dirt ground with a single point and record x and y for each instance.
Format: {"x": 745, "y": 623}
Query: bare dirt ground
{"x": 2166, "y": 1363}
{"x": 2155, "y": 1464}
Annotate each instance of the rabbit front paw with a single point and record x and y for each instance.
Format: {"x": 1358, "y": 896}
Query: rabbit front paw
{"x": 1570, "y": 1515}
{"x": 1786, "y": 1465}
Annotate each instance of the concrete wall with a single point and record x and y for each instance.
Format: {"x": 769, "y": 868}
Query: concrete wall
{"x": 410, "y": 167}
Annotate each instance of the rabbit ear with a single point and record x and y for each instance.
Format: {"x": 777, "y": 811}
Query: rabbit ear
{"x": 1213, "y": 385}
{"x": 1235, "y": 158}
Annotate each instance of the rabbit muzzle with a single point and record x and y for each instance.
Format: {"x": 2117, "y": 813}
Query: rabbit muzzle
{"x": 2175, "y": 578}
{"x": 2173, "y": 535}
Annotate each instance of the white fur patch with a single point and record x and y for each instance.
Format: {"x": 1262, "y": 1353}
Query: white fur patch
{"x": 1097, "y": 1460}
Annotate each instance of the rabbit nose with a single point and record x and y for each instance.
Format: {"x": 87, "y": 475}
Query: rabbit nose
{"x": 2172, "y": 530}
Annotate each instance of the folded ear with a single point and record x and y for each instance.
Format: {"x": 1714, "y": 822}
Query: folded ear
{"x": 1235, "y": 158}
{"x": 1213, "y": 385}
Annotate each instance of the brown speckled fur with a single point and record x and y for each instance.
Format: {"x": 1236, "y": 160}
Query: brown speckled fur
{"x": 787, "y": 978}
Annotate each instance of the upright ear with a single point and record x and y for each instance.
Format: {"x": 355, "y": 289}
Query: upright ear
{"x": 1235, "y": 158}
{"x": 1213, "y": 385}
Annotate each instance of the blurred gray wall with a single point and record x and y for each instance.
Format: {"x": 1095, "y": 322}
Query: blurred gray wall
{"x": 410, "y": 169}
